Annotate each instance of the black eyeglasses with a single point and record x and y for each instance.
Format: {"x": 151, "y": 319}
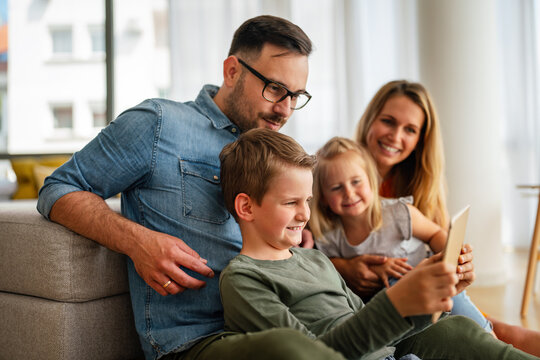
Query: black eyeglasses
{"x": 275, "y": 92}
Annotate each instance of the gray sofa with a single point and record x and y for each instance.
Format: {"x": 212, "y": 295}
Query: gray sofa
{"x": 62, "y": 296}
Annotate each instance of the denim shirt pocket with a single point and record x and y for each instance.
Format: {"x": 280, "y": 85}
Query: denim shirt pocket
{"x": 201, "y": 188}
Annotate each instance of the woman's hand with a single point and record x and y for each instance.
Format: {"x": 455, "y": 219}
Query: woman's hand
{"x": 358, "y": 275}
{"x": 307, "y": 240}
{"x": 465, "y": 269}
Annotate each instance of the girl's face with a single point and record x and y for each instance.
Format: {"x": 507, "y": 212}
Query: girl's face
{"x": 395, "y": 132}
{"x": 346, "y": 188}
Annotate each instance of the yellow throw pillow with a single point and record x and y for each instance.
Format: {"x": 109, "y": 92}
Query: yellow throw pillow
{"x": 31, "y": 173}
{"x": 24, "y": 170}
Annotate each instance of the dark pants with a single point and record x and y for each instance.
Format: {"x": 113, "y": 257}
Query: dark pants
{"x": 454, "y": 337}
{"x": 282, "y": 344}
{"x": 458, "y": 337}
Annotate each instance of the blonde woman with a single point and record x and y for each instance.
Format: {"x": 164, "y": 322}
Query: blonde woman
{"x": 400, "y": 128}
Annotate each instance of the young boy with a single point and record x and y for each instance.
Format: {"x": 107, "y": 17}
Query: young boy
{"x": 267, "y": 185}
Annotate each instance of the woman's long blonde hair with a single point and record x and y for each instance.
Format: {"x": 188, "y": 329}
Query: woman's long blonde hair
{"x": 322, "y": 217}
{"x": 422, "y": 173}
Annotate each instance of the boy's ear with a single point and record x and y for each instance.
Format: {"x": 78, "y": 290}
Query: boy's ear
{"x": 231, "y": 71}
{"x": 243, "y": 206}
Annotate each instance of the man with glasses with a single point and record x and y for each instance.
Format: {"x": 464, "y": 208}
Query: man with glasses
{"x": 163, "y": 156}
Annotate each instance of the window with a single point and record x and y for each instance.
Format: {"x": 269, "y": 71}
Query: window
{"x": 97, "y": 37}
{"x": 62, "y": 40}
{"x": 63, "y": 116}
{"x": 99, "y": 114}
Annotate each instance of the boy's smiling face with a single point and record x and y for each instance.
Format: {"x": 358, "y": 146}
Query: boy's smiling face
{"x": 283, "y": 213}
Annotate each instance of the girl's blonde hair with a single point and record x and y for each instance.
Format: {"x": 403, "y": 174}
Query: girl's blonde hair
{"x": 422, "y": 173}
{"x": 322, "y": 217}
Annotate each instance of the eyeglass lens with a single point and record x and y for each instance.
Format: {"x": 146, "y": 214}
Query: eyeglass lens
{"x": 274, "y": 92}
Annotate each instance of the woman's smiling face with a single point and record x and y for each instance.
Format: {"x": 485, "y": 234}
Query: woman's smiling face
{"x": 395, "y": 132}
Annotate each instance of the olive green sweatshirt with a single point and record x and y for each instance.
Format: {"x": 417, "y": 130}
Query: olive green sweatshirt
{"x": 305, "y": 292}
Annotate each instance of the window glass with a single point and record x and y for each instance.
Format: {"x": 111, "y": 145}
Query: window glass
{"x": 63, "y": 116}
{"x": 56, "y": 75}
{"x": 99, "y": 114}
{"x": 57, "y": 64}
{"x": 97, "y": 37}
{"x": 61, "y": 41}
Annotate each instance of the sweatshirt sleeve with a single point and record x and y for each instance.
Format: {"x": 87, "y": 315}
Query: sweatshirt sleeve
{"x": 374, "y": 326}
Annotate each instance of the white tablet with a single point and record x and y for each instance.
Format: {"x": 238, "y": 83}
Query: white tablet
{"x": 454, "y": 243}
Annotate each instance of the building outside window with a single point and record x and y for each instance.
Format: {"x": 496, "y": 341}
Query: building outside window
{"x": 57, "y": 64}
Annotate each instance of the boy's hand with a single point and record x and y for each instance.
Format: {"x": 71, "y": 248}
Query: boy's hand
{"x": 426, "y": 289}
{"x": 393, "y": 267}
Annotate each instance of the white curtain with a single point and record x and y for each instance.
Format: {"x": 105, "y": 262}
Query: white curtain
{"x": 519, "y": 31}
{"x": 360, "y": 45}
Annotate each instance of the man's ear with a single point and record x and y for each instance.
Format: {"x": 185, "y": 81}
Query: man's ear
{"x": 231, "y": 71}
{"x": 243, "y": 206}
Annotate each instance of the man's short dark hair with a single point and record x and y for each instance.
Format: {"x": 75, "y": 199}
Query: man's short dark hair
{"x": 251, "y": 36}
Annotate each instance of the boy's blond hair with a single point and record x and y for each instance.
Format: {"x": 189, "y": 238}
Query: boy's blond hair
{"x": 322, "y": 217}
{"x": 250, "y": 163}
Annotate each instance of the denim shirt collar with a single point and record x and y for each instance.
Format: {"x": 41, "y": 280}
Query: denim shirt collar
{"x": 205, "y": 101}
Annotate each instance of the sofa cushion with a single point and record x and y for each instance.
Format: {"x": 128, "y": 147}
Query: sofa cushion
{"x": 44, "y": 259}
{"x": 38, "y": 329}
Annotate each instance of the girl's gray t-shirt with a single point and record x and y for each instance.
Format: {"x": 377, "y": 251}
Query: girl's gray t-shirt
{"x": 393, "y": 239}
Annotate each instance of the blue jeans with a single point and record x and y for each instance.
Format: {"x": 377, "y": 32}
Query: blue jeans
{"x": 464, "y": 306}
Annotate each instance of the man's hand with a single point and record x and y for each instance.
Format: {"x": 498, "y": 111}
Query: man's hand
{"x": 157, "y": 256}
{"x": 158, "y": 260}
{"x": 358, "y": 275}
{"x": 426, "y": 289}
{"x": 393, "y": 267}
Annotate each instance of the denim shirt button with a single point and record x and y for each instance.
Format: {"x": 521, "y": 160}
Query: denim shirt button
{"x": 233, "y": 130}
{"x": 216, "y": 177}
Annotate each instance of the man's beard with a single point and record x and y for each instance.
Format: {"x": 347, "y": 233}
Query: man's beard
{"x": 238, "y": 110}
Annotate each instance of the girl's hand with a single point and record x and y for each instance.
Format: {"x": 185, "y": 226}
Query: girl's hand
{"x": 393, "y": 267}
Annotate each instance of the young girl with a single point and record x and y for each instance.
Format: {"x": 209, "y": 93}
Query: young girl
{"x": 349, "y": 219}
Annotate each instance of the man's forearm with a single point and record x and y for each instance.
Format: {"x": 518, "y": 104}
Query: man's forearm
{"x": 89, "y": 215}
{"x": 157, "y": 256}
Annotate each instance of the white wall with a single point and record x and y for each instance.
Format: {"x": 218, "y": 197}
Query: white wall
{"x": 460, "y": 65}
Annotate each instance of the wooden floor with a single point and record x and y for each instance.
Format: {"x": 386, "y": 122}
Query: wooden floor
{"x": 504, "y": 302}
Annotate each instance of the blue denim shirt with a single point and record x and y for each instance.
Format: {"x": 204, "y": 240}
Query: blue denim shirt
{"x": 163, "y": 157}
